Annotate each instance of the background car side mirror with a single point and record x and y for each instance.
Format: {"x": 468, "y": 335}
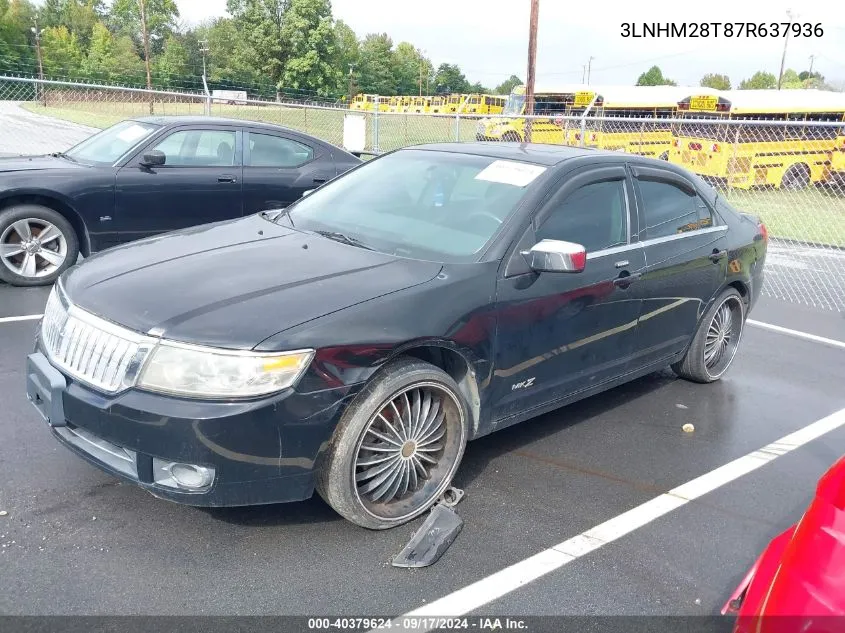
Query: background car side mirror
{"x": 556, "y": 256}
{"x": 154, "y": 158}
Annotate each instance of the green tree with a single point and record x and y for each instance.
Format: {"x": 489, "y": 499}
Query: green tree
{"x": 375, "y": 70}
{"x": 61, "y": 53}
{"x": 171, "y": 66}
{"x": 449, "y": 78}
{"x": 231, "y": 60}
{"x": 478, "y": 88}
{"x": 790, "y": 80}
{"x": 761, "y": 80}
{"x": 16, "y": 50}
{"x": 309, "y": 34}
{"x": 508, "y": 85}
{"x": 654, "y": 77}
{"x": 161, "y": 20}
{"x": 412, "y": 71}
{"x": 259, "y": 23}
{"x": 50, "y": 13}
{"x": 716, "y": 81}
{"x": 112, "y": 59}
{"x": 80, "y": 16}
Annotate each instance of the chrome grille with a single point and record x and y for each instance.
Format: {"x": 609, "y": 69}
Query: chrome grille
{"x": 88, "y": 348}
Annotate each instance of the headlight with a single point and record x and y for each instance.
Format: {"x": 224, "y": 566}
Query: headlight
{"x": 207, "y": 372}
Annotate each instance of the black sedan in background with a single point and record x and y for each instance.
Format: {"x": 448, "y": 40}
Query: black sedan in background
{"x": 146, "y": 176}
{"x": 355, "y": 341}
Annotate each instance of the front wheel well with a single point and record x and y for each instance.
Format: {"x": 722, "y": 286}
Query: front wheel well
{"x": 461, "y": 371}
{"x": 59, "y": 207}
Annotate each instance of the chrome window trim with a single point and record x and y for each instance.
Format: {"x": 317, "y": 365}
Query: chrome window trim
{"x": 657, "y": 240}
{"x": 624, "y": 248}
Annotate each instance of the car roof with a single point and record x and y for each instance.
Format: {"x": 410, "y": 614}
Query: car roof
{"x": 525, "y": 152}
{"x": 177, "y": 120}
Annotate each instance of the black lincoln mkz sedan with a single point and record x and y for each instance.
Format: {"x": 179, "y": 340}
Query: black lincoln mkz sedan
{"x": 355, "y": 341}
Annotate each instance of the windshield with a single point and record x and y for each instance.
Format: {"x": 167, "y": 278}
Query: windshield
{"x": 431, "y": 205}
{"x": 514, "y": 104}
{"x": 109, "y": 145}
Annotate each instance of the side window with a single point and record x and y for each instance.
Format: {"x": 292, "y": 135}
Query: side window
{"x": 274, "y": 151}
{"x": 669, "y": 209}
{"x": 594, "y": 216}
{"x": 199, "y": 148}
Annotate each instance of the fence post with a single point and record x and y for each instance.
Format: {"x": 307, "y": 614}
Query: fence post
{"x": 584, "y": 120}
{"x": 457, "y": 128}
{"x": 375, "y": 125}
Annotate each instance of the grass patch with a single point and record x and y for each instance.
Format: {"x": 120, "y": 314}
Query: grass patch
{"x": 815, "y": 215}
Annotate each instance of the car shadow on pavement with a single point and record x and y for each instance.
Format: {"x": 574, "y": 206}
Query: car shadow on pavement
{"x": 481, "y": 452}
{"x": 313, "y": 510}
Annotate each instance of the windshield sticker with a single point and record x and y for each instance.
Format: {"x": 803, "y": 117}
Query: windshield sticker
{"x": 511, "y": 173}
{"x": 132, "y": 133}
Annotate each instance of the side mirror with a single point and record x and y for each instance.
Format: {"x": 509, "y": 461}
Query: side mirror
{"x": 307, "y": 193}
{"x": 154, "y": 158}
{"x": 555, "y": 256}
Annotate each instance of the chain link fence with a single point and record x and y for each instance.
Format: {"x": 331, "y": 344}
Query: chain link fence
{"x": 789, "y": 173}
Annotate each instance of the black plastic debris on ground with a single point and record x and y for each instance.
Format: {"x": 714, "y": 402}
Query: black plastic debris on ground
{"x": 431, "y": 541}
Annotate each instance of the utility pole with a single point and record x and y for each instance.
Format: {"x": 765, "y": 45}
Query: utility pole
{"x": 351, "y": 79}
{"x": 583, "y": 72}
{"x": 146, "y": 37}
{"x": 812, "y": 59}
{"x": 532, "y": 65}
{"x": 785, "y": 42}
{"x": 38, "y": 32}
{"x": 589, "y": 67}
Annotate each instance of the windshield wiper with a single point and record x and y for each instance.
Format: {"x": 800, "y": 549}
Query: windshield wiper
{"x": 63, "y": 155}
{"x": 275, "y": 214}
{"x": 344, "y": 239}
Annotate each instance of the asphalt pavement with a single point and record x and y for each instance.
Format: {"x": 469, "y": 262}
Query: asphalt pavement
{"x": 77, "y": 541}
{"x": 25, "y": 132}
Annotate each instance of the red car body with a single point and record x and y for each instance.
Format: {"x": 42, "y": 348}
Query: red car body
{"x": 798, "y": 582}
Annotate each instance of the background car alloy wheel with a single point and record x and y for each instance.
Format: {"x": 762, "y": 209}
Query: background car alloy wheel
{"x": 33, "y": 248}
{"x": 36, "y": 245}
{"x": 408, "y": 449}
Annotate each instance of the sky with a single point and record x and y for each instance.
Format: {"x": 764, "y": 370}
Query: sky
{"x": 489, "y": 38}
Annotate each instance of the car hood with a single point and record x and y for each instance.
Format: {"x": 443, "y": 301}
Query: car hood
{"x": 233, "y": 284}
{"x": 35, "y": 163}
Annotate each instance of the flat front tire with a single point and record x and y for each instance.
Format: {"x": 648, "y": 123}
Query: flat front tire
{"x": 396, "y": 447}
{"x": 716, "y": 341}
{"x": 37, "y": 244}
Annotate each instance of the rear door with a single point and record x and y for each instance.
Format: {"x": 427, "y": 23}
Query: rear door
{"x": 686, "y": 261}
{"x": 280, "y": 167}
{"x": 200, "y": 182}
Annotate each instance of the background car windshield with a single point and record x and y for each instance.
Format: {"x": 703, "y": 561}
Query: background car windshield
{"x": 422, "y": 204}
{"x": 109, "y": 145}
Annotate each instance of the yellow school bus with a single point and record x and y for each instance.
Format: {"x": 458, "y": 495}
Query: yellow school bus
{"x": 455, "y": 103}
{"x": 438, "y": 104}
{"x": 551, "y": 105}
{"x": 483, "y": 104}
{"x": 362, "y": 102}
{"x": 655, "y": 105}
{"x": 744, "y": 156}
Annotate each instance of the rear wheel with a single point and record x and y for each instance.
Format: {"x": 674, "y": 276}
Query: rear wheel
{"x": 796, "y": 177}
{"x": 396, "y": 447}
{"x": 37, "y": 244}
{"x": 715, "y": 343}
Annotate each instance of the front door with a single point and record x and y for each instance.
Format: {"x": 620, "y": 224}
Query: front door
{"x": 686, "y": 261}
{"x": 200, "y": 182}
{"x": 561, "y": 333}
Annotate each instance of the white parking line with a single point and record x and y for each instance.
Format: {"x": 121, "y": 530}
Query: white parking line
{"x": 797, "y": 333}
{"x": 486, "y": 590}
{"x": 28, "y": 317}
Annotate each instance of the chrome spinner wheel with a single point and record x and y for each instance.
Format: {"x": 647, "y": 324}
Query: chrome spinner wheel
{"x": 409, "y": 451}
{"x": 33, "y": 248}
{"x": 723, "y": 334}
